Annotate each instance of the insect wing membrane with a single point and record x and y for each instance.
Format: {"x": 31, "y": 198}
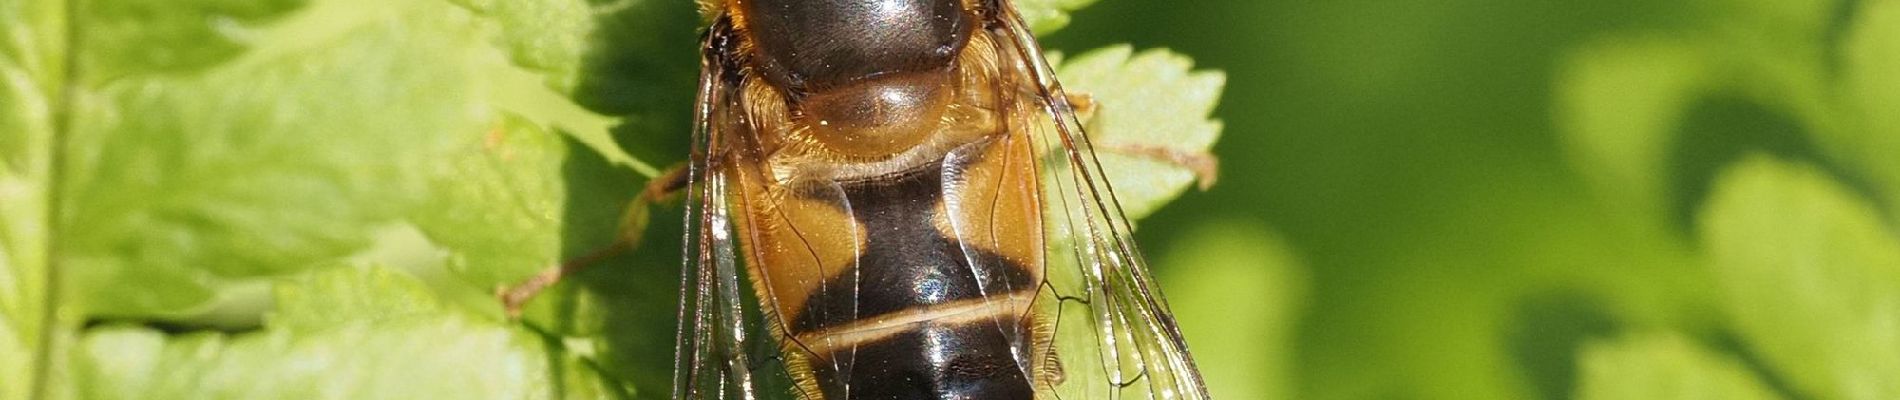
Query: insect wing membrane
{"x": 721, "y": 349}
{"x": 731, "y": 341}
{"x": 1113, "y": 336}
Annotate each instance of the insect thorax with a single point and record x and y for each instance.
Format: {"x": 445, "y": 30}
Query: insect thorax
{"x": 862, "y": 80}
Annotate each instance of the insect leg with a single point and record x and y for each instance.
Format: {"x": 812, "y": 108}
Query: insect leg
{"x": 632, "y": 229}
{"x": 1083, "y": 102}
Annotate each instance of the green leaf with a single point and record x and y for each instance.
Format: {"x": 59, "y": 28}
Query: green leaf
{"x": 498, "y": 204}
{"x": 550, "y": 37}
{"x": 356, "y": 350}
{"x": 133, "y": 39}
{"x": 1151, "y": 129}
{"x": 198, "y": 180}
{"x": 346, "y": 114}
{"x": 1045, "y": 16}
{"x": 1663, "y": 367}
{"x": 1622, "y": 99}
{"x": 523, "y": 93}
{"x": 1790, "y": 21}
{"x": 1872, "y": 54}
{"x": 32, "y": 73}
{"x": 1237, "y": 292}
{"x": 225, "y": 145}
{"x": 1775, "y": 52}
{"x": 338, "y": 296}
{"x": 1811, "y": 277}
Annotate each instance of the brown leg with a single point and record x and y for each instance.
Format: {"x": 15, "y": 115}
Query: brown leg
{"x": 632, "y": 228}
{"x": 1083, "y": 103}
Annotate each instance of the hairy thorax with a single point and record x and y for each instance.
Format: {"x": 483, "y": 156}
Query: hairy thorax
{"x": 887, "y": 87}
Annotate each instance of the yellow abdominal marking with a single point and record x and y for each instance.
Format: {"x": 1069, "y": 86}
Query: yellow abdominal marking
{"x": 998, "y": 305}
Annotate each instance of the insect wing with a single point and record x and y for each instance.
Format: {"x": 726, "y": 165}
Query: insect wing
{"x": 730, "y": 343}
{"x": 714, "y": 349}
{"x": 1113, "y": 336}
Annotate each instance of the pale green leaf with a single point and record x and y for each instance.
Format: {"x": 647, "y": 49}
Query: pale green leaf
{"x": 359, "y": 350}
{"x": 189, "y": 179}
{"x": 1621, "y": 100}
{"x": 1045, "y": 16}
{"x": 1812, "y": 278}
{"x": 524, "y": 94}
{"x": 498, "y": 204}
{"x": 1237, "y": 292}
{"x": 32, "y": 40}
{"x": 134, "y": 39}
{"x": 550, "y": 37}
{"x": 1151, "y": 124}
{"x": 346, "y": 114}
{"x": 341, "y": 295}
{"x": 1663, "y": 367}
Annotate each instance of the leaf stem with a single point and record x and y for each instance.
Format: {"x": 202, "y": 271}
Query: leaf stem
{"x": 63, "y": 92}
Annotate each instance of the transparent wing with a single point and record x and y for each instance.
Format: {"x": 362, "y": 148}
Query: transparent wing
{"x": 1113, "y": 335}
{"x": 714, "y": 349}
{"x": 730, "y": 343}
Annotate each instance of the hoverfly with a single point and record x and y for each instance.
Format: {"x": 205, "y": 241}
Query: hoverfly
{"x": 894, "y": 199}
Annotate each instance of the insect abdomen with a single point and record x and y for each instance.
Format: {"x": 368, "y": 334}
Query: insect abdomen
{"x": 934, "y": 361}
{"x": 958, "y": 329}
{"x": 909, "y": 287}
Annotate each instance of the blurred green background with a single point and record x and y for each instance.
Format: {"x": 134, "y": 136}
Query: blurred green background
{"x": 1407, "y": 153}
{"x": 1461, "y": 199}
{"x": 1430, "y": 167}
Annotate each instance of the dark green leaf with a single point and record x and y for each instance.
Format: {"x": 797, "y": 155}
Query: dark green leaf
{"x": 1873, "y": 89}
